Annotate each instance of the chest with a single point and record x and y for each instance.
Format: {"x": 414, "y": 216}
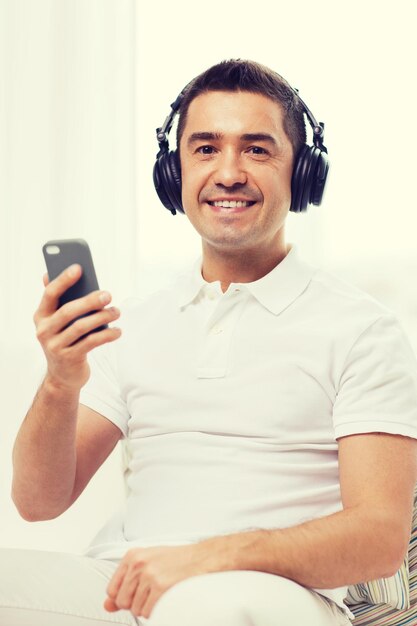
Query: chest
{"x": 224, "y": 372}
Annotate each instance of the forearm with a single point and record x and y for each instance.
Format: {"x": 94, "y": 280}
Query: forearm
{"x": 334, "y": 551}
{"x": 44, "y": 454}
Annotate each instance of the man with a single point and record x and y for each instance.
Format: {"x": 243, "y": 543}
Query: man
{"x": 263, "y": 403}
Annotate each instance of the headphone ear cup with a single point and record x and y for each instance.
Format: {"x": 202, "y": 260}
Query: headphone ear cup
{"x": 309, "y": 178}
{"x": 312, "y": 158}
{"x": 320, "y": 178}
{"x": 159, "y": 181}
{"x": 167, "y": 181}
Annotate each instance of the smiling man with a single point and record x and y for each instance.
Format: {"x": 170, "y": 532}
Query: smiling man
{"x": 269, "y": 409}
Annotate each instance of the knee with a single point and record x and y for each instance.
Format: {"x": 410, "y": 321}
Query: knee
{"x": 199, "y": 600}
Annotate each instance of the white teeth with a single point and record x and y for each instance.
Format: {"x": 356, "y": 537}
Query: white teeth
{"x": 231, "y": 204}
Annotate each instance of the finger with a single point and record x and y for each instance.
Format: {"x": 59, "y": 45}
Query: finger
{"x": 127, "y": 590}
{"x": 67, "y": 313}
{"x": 116, "y": 581}
{"x": 92, "y": 340}
{"x": 45, "y": 279}
{"x": 149, "y": 604}
{"x": 56, "y": 288}
{"x": 139, "y": 599}
{"x": 110, "y": 606}
{"x": 77, "y": 330}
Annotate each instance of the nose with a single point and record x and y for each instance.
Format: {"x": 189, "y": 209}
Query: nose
{"x": 229, "y": 170}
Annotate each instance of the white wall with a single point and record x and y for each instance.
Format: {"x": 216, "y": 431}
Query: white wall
{"x": 67, "y": 167}
{"x": 83, "y": 85}
{"x": 21, "y": 371}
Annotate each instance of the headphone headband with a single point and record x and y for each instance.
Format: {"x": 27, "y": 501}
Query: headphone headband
{"x": 163, "y": 131}
{"x": 318, "y": 127}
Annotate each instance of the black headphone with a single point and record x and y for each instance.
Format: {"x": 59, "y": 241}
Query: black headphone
{"x": 308, "y": 178}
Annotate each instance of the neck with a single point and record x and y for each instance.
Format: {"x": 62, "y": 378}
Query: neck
{"x": 240, "y": 267}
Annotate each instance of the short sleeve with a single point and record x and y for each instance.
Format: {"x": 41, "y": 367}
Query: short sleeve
{"x": 378, "y": 386}
{"x": 102, "y": 391}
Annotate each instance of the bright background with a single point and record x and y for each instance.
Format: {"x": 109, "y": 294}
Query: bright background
{"x": 84, "y": 84}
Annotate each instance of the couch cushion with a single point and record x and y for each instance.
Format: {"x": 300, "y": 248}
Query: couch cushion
{"x": 390, "y": 601}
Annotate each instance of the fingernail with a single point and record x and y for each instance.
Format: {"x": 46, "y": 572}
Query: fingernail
{"x": 105, "y": 297}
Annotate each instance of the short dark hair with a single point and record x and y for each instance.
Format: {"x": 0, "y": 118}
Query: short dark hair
{"x": 243, "y": 75}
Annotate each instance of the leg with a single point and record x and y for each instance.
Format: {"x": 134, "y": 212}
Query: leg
{"x": 243, "y": 598}
{"x": 56, "y": 589}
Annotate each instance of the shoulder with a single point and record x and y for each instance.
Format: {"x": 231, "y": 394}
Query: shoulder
{"x": 341, "y": 315}
{"x": 335, "y": 299}
{"x": 343, "y": 294}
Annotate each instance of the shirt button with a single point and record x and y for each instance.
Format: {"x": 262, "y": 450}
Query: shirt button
{"x": 211, "y": 295}
{"x": 216, "y": 330}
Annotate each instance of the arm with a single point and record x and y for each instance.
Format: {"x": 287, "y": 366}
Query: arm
{"x": 365, "y": 541}
{"x": 60, "y": 445}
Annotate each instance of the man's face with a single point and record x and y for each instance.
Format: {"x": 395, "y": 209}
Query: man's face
{"x": 236, "y": 167}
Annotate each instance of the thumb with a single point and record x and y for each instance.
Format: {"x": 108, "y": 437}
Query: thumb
{"x": 109, "y": 605}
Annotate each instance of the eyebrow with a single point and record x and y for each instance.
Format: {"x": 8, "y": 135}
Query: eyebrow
{"x": 203, "y": 137}
{"x": 259, "y": 137}
{"x": 217, "y": 136}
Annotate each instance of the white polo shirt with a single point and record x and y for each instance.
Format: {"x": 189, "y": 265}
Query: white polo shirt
{"x": 232, "y": 402}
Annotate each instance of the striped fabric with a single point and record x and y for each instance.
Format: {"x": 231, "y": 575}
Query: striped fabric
{"x": 390, "y": 601}
{"x": 393, "y": 591}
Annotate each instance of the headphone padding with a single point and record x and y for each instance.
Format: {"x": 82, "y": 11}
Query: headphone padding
{"x": 175, "y": 179}
{"x": 297, "y": 183}
{"x": 310, "y": 176}
{"x": 159, "y": 183}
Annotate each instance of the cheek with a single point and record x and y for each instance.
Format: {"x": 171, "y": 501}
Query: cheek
{"x": 278, "y": 187}
{"x": 190, "y": 191}
{"x": 191, "y": 182}
{"x": 192, "y": 188}
{"x": 186, "y": 189}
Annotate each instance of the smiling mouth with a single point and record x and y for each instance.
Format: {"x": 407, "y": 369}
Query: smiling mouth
{"x": 232, "y": 204}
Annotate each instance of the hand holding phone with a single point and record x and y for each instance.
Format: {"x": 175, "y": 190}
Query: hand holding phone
{"x": 61, "y": 254}
{"x": 71, "y": 319}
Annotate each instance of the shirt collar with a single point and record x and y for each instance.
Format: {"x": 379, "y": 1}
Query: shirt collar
{"x": 190, "y": 284}
{"x": 275, "y": 291}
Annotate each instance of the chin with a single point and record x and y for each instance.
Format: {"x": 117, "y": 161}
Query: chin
{"x": 232, "y": 244}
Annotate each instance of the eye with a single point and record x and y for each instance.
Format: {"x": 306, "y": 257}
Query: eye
{"x": 258, "y": 150}
{"x": 205, "y": 150}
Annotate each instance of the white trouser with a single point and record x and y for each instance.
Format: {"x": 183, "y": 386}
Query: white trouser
{"x": 57, "y": 589}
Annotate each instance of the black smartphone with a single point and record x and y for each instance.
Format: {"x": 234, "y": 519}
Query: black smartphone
{"x": 60, "y": 254}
